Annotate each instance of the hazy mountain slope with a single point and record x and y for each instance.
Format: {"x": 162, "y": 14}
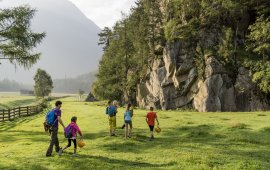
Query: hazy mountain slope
{"x": 11, "y": 86}
{"x": 65, "y": 85}
{"x": 70, "y": 47}
{"x": 72, "y": 85}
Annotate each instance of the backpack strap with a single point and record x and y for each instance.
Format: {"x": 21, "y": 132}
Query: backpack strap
{"x": 107, "y": 110}
{"x": 55, "y": 119}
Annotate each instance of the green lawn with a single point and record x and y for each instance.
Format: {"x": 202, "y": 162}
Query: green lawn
{"x": 11, "y": 100}
{"x": 189, "y": 140}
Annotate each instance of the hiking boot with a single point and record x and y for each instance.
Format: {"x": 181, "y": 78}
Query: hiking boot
{"x": 75, "y": 155}
{"x": 60, "y": 152}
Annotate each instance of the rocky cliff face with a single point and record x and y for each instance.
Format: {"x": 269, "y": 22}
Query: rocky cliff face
{"x": 172, "y": 82}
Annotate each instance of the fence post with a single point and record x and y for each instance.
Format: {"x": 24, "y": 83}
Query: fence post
{"x": 9, "y": 114}
{"x": 14, "y": 113}
{"x": 29, "y": 111}
{"x": 19, "y": 111}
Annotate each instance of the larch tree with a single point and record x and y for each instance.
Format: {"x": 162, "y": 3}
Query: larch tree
{"x": 17, "y": 40}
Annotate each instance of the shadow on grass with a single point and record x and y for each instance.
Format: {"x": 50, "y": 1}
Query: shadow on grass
{"x": 67, "y": 161}
{"x": 246, "y": 143}
{"x": 15, "y": 135}
{"x": 3, "y": 166}
{"x": 126, "y": 163}
{"x": 4, "y": 126}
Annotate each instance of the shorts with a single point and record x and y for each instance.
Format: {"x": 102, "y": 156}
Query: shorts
{"x": 128, "y": 121}
{"x": 151, "y": 128}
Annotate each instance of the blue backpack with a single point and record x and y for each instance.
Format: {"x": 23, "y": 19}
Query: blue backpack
{"x": 111, "y": 111}
{"x": 50, "y": 117}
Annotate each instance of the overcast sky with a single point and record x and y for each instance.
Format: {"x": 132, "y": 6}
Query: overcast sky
{"x": 104, "y": 12}
{"x": 101, "y": 12}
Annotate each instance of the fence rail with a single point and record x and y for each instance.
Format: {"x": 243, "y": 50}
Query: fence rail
{"x": 11, "y": 114}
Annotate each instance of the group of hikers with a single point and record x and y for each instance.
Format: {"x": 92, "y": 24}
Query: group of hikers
{"x": 53, "y": 118}
{"x": 111, "y": 111}
{"x": 53, "y": 130}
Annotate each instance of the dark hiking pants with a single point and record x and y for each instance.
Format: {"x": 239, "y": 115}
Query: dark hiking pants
{"x": 53, "y": 141}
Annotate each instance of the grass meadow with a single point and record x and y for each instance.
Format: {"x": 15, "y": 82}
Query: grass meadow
{"x": 13, "y": 99}
{"x": 189, "y": 140}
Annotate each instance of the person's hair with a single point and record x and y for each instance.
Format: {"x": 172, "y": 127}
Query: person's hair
{"x": 115, "y": 102}
{"x": 57, "y": 103}
{"x": 151, "y": 108}
{"x": 128, "y": 106}
{"x": 74, "y": 119}
{"x": 109, "y": 102}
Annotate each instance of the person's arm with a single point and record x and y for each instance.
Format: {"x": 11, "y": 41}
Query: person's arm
{"x": 60, "y": 121}
{"x": 80, "y": 133}
{"x": 78, "y": 130}
{"x": 156, "y": 119}
{"x": 131, "y": 111}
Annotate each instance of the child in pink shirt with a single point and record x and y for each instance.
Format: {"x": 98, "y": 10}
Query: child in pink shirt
{"x": 74, "y": 129}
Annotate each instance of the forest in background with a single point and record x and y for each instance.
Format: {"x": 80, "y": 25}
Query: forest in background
{"x": 68, "y": 85}
{"x": 236, "y": 32}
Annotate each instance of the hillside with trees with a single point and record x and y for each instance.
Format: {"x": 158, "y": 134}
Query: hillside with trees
{"x": 7, "y": 85}
{"x": 72, "y": 85}
{"x": 208, "y": 55}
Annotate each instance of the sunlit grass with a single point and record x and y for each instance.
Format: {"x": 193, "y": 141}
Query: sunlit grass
{"x": 189, "y": 140}
{"x": 11, "y": 100}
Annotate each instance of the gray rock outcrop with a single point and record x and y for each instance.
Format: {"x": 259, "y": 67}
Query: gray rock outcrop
{"x": 172, "y": 82}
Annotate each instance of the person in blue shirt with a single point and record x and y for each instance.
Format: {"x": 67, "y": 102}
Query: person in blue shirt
{"x": 128, "y": 121}
{"x": 111, "y": 111}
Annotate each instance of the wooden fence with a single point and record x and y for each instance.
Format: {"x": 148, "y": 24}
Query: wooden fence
{"x": 11, "y": 114}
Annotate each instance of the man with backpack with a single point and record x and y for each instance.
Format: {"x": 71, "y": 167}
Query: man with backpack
{"x": 111, "y": 111}
{"x": 52, "y": 118}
